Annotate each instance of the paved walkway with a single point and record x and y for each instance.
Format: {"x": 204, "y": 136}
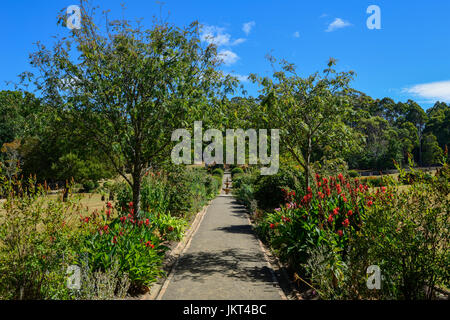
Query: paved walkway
{"x": 224, "y": 260}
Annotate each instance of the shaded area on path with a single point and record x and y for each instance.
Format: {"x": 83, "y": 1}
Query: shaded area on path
{"x": 224, "y": 260}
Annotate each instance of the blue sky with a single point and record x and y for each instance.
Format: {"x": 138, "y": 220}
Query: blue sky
{"x": 408, "y": 58}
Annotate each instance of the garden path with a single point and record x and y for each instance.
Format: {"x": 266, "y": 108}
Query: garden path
{"x": 224, "y": 260}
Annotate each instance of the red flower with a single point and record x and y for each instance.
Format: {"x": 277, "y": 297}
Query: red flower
{"x": 114, "y": 240}
{"x": 105, "y": 228}
{"x": 147, "y": 222}
{"x": 325, "y": 180}
{"x": 149, "y": 244}
{"x": 340, "y": 233}
{"x": 346, "y": 223}
{"x": 309, "y": 189}
{"x": 369, "y": 203}
{"x": 86, "y": 220}
{"x": 109, "y": 205}
{"x": 170, "y": 228}
{"x": 321, "y": 195}
{"x": 330, "y": 218}
{"x": 108, "y": 213}
{"x": 272, "y": 226}
{"x": 349, "y": 213}
{"x": 123, "y": 219}
{"x": 130, "y": 204}
{"x": 340, "y": 177}
{"x": 344, "y": 198}
{"x": 383, "y": 189}
{"x": 336, "y": 211}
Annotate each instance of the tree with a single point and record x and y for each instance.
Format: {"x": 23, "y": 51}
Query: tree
{"x": 432, "y": 153}
{"x": 127, "y": 88}
{"x": 308, "y": 111}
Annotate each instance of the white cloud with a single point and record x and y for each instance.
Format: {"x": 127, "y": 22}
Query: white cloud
{"x": 238, "y": 41}
{"x": 240, "y": 77}
{"x": 296, "y": 34}
{"x": 338, "y": 23}
{"x": 228, "y": 57}
{"x": 214, "y": 35}
{"x": 432, "y": 91}
{"x": 218, "y": 36}
{"x": 247, "y": 27}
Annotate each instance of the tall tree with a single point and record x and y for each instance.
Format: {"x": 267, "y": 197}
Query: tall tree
{"x": 308, "y": 111}
{"x": 127, "y": 88}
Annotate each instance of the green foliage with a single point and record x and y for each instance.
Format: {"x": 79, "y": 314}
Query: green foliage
{"x": 180, "y": 191}
{"x": 131, "y": 242}
{"x": 353, "y": 174}
{"x": 268, "y": 189}
{"x": 218, "y": 172}
{"x": 407, "y": 237}
{"x": 36, "y": 243}
{"x": 311, "y": 112}
{"x": 373, "y": 181}
{"x": 329, "y": 215}
{"x": 236, "y": 171}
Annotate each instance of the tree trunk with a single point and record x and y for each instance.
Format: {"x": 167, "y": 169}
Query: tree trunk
{"x": 137, "y": 192}
{"x": 308, "y": 160}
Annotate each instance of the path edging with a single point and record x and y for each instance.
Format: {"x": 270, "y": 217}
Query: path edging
{"x": 157, "y": 290}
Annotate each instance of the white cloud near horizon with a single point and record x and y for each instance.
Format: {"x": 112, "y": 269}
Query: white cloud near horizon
{"x": 338, "y": 23}
{"x": 247, "y": 27}
{"x": 432, "y": 91}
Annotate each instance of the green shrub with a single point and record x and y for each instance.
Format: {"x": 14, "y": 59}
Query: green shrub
{"x": 217, "y": 172}
{"x": 130, "y": 241}
{"x": 268, "y": 189}
{"x": 236, "y": 171}
{"x": 353, "y": 174}
{"x": 407, "y": 238}
{"x": 36, "y": 243}
{"x": 89, "y": 185}
{"x": 373, "y": 181}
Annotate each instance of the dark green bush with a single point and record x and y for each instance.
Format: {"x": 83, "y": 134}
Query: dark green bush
{"x": 217, "y": 172}
{"x": 236, "y": 171}
{"x": 268, "y": 191}
{"x": 90, "y": 185}
{"x": 353, "y": 174}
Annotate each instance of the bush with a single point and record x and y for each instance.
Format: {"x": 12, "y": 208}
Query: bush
{"x": 236, "y": 171}
{"x": 331, "y": 211}
{"x": 218, "y": 172}
{"x": 373, "y": 181}
{"x": 130, "y": 241}
{"x": 89, "y": 186}
{"x": 268, "y": 189}
{"x": 353, "y": 174}
{"x": 407, "y": 237}
{"x": 36, "y": 243}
